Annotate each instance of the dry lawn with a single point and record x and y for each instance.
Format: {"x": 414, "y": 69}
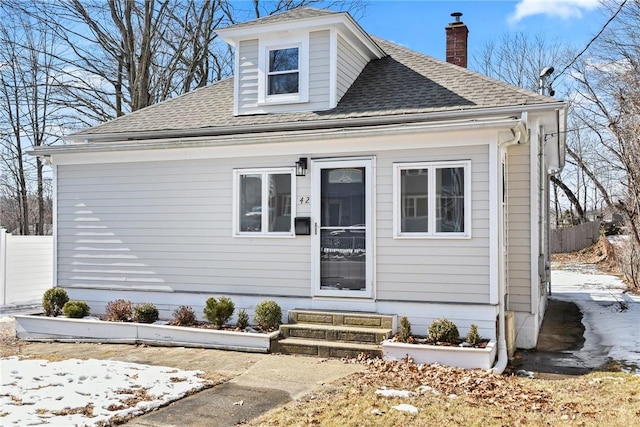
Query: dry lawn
{"x": 448, "y": 396}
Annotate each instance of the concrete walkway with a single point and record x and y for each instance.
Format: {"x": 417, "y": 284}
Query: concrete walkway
{"x": 561, "y": 336}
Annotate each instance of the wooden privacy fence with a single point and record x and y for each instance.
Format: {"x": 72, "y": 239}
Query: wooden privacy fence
{"x": 571, "y": 239}
{"x": 26, "y": 267}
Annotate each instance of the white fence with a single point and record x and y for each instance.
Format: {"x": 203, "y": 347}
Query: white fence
{"x": 26, "y": 268}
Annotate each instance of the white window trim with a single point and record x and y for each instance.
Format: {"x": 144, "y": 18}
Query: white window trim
{"x": 300, "y": 42}
{"x": 431, "y": 167}
{"x": 236, "y": 201}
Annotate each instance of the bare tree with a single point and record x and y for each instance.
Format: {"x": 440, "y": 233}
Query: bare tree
{"x": 518, "y": 58}
{"x": 27, "y": 116}
{"x": 124, "y": 55}
{"x": 609, "y": 95}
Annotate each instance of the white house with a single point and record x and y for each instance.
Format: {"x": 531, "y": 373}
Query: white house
{"x": 335, "y": 171}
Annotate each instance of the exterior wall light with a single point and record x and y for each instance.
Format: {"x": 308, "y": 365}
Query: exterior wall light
{"x": 301, "y": 166}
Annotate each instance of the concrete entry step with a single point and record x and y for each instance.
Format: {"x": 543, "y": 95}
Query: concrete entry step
{"x": 337, "y": 318}
{"x": 335, "y": 333}
{"x": 326, "y": 349}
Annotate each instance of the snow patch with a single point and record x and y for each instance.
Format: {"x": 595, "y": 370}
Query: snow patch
{"x": 86, "y": 392}
{"x": 610, "y": 314}
{"x": 405, "y": 407}
{"x": 393, "y": 393}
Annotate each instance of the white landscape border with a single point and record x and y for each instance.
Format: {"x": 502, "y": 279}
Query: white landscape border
{"x": 91, "y": 329}
{"x": 461, "y": 357}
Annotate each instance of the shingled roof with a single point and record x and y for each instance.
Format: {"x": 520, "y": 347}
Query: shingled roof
{"x": 403, "y": 83}
{"x": 296, "y": 14}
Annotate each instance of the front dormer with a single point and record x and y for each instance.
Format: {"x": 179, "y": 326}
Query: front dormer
{"x": 301, "y": 60}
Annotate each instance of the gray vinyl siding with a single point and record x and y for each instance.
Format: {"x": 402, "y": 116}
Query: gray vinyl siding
{"x": 436, "y": 269}
{"x": 247, "y": 75}
{"x": 319, "y": 65}
{"x": 350, "y": 65}
{"x": 519, "y": 228}
{"x": 167, "y": 226}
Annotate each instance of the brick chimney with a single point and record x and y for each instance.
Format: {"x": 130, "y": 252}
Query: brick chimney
{"x": 457, "y": 33}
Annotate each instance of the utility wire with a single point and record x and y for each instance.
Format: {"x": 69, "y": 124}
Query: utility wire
{"x": 573, "y": 61}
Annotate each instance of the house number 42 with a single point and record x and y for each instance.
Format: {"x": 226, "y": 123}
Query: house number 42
{"x": 304, "y": 200}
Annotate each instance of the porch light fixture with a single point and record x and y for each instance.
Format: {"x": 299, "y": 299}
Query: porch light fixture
{"x": 301, "y": 166}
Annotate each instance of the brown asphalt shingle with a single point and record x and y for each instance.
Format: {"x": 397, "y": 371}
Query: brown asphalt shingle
{"x": 404, "y": 82}
{"x": 290, "y": 15}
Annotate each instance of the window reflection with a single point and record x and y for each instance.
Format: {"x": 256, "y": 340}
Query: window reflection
{"x": 414, "y": 185}
{"x": 343, "y": 234}
{"x": 343, "y": 202}
{"x": 450, "y": 201}
{"x": 251, "y": 203}
{"x": 265, "y": 202}
{"x": 283, "y": 75}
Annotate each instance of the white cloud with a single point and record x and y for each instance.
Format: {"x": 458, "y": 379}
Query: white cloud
{"x": 564, "y": 9}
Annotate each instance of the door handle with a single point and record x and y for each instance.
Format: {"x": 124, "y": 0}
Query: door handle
{"x": 315, "y": 224}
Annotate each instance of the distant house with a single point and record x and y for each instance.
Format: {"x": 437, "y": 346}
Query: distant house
{"x": 334, "y": 171}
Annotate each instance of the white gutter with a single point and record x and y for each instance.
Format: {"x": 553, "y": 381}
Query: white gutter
{"x": 519, "y": 132}
{"x": 270, "y": 137}
{"x": 354, "y": 121}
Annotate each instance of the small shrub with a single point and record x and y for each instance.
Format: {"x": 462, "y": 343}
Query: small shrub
{"x": 54, "y": 300}
{"x": 145, "y": 313}
{"x": 119, "y": 310}
{"x": 75, "y": 309}
{"x": 443, "y": 330}
{"x": 473, "y": 337}
{"x": 243, "y": 319}
{"x": 268, "y": 315}
{"x": 405, "y": 330}
{"x": 184, "y": 316}
{"x": 219, "y": 311}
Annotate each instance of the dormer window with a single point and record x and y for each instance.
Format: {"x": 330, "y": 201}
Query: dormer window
{"x": 284, "y": 71}
{"x": 299, "y": 61}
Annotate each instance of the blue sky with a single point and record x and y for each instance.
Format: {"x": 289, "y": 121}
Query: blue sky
{"x": 419, "y": 25}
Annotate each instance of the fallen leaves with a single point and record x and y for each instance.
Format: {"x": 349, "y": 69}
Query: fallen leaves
{"x": 86, "y": 410}
{"x": 445, "y": 396}
{"x": 475, "y": 386}
{"x": 132, "y": 396}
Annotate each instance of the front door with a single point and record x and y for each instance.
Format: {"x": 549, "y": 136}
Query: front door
{"x": 342, "y": 214}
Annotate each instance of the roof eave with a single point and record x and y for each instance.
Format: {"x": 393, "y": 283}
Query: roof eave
{"x": 233, "y": 35}
{"x": 496, "y": 122}
{"x": 312, "y": 124}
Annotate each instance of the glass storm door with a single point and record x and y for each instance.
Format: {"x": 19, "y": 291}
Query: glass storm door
{"x": 342, "y": 230}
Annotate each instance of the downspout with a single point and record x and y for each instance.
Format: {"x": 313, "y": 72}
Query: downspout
{"x": 503, "y": 356}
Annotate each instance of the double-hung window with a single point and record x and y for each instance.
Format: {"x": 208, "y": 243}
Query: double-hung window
{"x": 283, "y": 65}
{"x": 262, "y": 205}
{"x": 432, "y": 199}
{"x": 283, "y": 74}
